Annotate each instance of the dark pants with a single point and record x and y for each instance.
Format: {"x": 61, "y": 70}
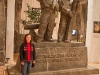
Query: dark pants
{"x": 26, "y": 68}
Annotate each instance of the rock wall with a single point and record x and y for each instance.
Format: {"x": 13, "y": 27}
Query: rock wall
{"x": 2, "y": 32}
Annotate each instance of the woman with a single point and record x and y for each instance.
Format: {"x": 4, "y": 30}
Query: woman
{"x": 27, "y": 54}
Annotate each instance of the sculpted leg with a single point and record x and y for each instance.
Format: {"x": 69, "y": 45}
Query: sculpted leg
{"x": 62, "y": 28}
{"x": 50, "y": 27}
{"x": 43, "y": 26}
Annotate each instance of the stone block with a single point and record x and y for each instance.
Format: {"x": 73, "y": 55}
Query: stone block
{"x": 65, "y": 56}
{"x": 60, "y": 58}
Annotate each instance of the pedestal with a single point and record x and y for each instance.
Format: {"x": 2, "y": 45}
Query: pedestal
{"x": 59, "y": 59}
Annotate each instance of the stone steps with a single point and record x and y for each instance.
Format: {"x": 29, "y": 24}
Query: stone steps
{"x": 77, "y": 71}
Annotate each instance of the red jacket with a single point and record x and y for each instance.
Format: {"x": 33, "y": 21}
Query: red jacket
{"x": 24, "y": 52}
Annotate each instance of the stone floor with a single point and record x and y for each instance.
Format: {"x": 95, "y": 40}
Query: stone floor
{"x": 4, "y": 72}
{"x": 95, "y": 65}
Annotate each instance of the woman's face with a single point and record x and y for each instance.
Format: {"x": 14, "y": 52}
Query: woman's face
{"x": 28, "y": 38}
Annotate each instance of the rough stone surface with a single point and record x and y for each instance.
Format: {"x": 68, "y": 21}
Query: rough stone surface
{"x": 52, "y": 59}
{"x": 19, "y": 40}
{"x": 18, "y": 6}
{"x": 2, "y": 33}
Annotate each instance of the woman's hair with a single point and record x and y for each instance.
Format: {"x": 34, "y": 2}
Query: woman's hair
{"x": 25, "y": 38}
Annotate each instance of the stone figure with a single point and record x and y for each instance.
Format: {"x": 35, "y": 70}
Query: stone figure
{"x": 47, "y": 20}
{"x": 79, "y": 8}
{"x": 64, "y": 32}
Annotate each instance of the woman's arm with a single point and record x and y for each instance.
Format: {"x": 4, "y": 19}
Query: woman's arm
{"x": 21, "y": 53}
{"x": 34, "y": 54}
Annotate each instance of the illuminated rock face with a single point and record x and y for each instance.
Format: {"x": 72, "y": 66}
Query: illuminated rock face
{"x": 2, "y": 33}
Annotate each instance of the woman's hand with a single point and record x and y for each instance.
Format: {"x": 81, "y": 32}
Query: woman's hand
{"x": 22, "y": 63}
{"x": 34, "y": 61}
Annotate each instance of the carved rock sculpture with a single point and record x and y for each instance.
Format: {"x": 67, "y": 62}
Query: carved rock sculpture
{"x": 47, "y": 20}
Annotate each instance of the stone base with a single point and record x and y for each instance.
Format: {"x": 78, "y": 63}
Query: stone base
{"x": 59, "y": 59}
{"x": 77, "y": 71}
{"x": 58, "y": 56}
